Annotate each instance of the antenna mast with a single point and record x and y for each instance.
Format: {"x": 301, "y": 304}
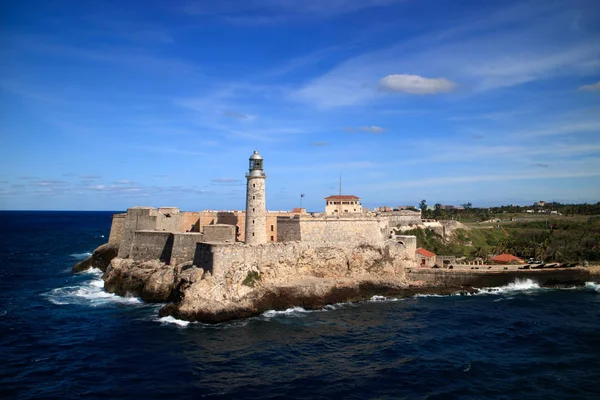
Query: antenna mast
{"x": 340, "y": 199}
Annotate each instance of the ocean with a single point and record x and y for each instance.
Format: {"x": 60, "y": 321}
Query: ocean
{"x": 63, "y": 337}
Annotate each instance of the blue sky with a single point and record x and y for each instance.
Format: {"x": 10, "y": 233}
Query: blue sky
{"x": 108, "y": 105}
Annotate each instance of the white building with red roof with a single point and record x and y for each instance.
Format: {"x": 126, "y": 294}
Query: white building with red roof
{"x": 425, "y": 258}
{"x": 342, "y": 205}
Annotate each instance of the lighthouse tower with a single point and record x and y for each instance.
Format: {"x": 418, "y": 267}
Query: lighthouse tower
{"x": 256, "y": 212}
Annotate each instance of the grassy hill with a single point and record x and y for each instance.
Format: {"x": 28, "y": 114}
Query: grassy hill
{"x": 564, "y": 239}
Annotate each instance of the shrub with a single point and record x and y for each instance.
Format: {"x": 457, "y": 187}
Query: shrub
{"x": 251, "y": 278}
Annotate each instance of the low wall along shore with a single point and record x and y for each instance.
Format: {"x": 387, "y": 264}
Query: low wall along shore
{"x": 484, "y": 278}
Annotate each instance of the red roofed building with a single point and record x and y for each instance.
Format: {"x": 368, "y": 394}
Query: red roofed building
{"x": 425, "y": 258}
{"x": 506, "y": 258}
{"x": 342, "y": 204}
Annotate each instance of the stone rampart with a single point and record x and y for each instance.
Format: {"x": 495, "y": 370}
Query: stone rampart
{"x": 168, "y": 219}
{"x": 288, "y": 229}
{"x": 480, "y": 279}
{"x": 152, "y": 245}
{"x": 401, "y": 218}
{"x": 116, "y": 228}
{"x": 184, "y": 247}
{"x": 136, "y": 219}
{"x": 189, "y": 221}
{"x": 292, "y": 260}
{"x": 351, "y": 231}
{"x": 219, "y": 233}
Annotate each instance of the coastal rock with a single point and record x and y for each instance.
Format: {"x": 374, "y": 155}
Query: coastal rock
{"x": 83, "y": 265}
{"x": 320, "y": 276}
{"x": 150, "y": 280}
{"x": 100, "y": 258}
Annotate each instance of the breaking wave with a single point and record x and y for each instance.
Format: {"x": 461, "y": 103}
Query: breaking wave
{"x": 80, "y": 256}
{"x": 593, "y": 286}
{"x": 89, "y": 292}
{"x": 518, "y": 286}
{"x": 295, "y": 311}
{"x": 172, "y": 320}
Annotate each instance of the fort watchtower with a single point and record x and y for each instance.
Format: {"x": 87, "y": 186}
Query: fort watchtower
{"x": 256, "y": 218}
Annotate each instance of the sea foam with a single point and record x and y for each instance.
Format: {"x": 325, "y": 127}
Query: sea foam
{"x": 290, "y": 311}
{"x": 89, "y": 292}
{"x": 518, "y": 286}
{"x": 171, "y": 320}
{"x": 593, "y": 286}
{"x": 80, "y": 256}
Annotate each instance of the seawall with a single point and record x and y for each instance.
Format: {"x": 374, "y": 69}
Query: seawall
{"x": 481, "y": 278}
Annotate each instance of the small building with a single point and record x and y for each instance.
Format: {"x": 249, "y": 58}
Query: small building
{"x": 425, "y": 258}
{"x": 506, "y": 258}
{"x": 342, "y": 204}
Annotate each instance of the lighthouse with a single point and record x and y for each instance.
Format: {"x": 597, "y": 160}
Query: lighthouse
{"x": 256, "y": 211}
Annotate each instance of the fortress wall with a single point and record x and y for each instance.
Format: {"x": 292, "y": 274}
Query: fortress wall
{"x": 189, "y": 222}
{"x": 137, "y": 218}
{"x": 184, "y": 247}
{"x": 297, "y": 258}
{"x": 409, "y": 248}
{"x": 219, "y": 233}
{"x": 168, "y": 219}
{"x": 288, "y": 229}
{"x": 350, "y": 231}
{"x": 225, "y": 257}
{"x": 402, "y": 218}
{"x": 271, "y": 227}
{"x": 456, "y": 278}
{"x": 203, "y": 257}
{"x": 152, "y": 245}
{"x": 235, "y": 218}
{"x": 116, "y": 228}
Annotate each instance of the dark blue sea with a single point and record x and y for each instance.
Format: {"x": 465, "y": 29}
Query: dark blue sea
{"x": 63, "y": 337}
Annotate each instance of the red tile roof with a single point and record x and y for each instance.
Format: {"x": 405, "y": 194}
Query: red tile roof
{"x": 342, "y": 197}
{"x": 506, "y": 258}
{"x": 425, "y": 253}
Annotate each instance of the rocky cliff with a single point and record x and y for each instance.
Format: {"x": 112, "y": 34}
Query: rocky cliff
{"x": 318, "y": 276}
{"x": 295, "y": 274}
{"x": 100, "y": 258}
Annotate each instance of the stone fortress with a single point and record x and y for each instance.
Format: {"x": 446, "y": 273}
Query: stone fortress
{"x": 174, "y": 237}
{"x": 214, "y": 266}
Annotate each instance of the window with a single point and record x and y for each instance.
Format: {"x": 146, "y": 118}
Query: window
{"x": 253, "y": 210}
{"x": 253, "y": 197}
{"x": 271, "y": 229}
{"x": 252, "y": 233}
{"x": 253, "y": 185}
{"x": 272, "y": 238}
{"x": 252, "y": 222}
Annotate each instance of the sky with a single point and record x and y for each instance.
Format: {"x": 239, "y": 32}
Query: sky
{"x": 106, "y": 105}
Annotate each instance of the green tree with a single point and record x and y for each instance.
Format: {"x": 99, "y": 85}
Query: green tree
{"x": 423, "y": 208}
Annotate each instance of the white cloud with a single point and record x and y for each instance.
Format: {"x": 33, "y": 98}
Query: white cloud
{"x": 280, "y": 11}
{"x": 482, "y": 57}
{"x": 590, "y": 88}
{"x": 415, "y": 84}
{"x": 511, "y": 176}
{"x": 226, "y": 181}
{"x": 372, "y": 129}
{"x": 238, "y": 115}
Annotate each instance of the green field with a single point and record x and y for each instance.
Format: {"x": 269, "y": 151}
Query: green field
{"x": 544, "y": 237}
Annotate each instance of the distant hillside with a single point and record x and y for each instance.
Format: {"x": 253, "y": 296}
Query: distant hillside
{"x": 551, "y": 239}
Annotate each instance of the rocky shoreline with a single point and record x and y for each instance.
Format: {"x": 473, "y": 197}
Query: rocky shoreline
{"x": 193, "y": 294}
